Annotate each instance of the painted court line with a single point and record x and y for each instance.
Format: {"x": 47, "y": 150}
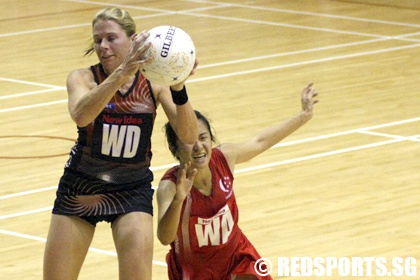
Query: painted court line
{"x": 357, "y": 130}
{"x": 309, "y": 13}
{"x": 24, "y": 213}
{"x": 29, "y": 93}
{"x": 42, "y": 239}
{"x": 33, "y": 106}
{"x": 256, "y": 58}
{"x": 26, "y": 192}
{"x": 30, "y": 83}
{"x": 327, "y": 59}
{"x": 335, "y": 152}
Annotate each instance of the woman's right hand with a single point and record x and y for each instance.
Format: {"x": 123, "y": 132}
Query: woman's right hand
{"x": 184, "y": 182}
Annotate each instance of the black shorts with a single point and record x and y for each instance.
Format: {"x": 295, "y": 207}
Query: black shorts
{"x": 95, "y": 200}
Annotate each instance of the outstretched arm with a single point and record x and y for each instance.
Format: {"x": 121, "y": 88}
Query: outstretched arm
{"x": 237, "y": 153}
{"x": 178, "y": 110}
{"x": 170, "y": 198}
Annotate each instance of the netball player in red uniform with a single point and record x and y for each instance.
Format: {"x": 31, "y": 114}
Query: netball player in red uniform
{"x": 198, "y": 214}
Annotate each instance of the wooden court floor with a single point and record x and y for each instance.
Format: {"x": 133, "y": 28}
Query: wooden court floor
{"x": 346, "y": 185}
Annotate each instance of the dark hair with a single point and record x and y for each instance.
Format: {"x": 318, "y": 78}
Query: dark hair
{"x": 172, "y": 138}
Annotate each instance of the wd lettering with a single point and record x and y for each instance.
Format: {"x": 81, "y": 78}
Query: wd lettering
{"x": 216, "y": 230}
{"x": 122, "y": 138}
{"x": 167, "y": 42}
{"x": 120, "y": 141}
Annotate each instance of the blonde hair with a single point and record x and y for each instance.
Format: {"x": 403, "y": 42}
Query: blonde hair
{"x": 120, "y": 16}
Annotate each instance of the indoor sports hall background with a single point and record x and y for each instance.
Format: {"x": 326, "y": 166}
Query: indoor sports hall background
{"x": 345, "y": 185}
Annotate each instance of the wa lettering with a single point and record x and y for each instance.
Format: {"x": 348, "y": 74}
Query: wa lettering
{"x": 120, "y": 140}
{"x": 216, "y": 230}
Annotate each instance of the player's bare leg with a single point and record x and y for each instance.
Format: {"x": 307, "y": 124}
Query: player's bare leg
{"x": 68, "y": 241}
{"x": 133, "y": 237}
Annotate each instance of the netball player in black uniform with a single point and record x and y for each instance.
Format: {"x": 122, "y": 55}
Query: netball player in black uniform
{"x": 107, "y": 177}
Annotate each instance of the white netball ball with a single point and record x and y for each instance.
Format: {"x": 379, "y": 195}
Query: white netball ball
{"x": 173, "y": 54}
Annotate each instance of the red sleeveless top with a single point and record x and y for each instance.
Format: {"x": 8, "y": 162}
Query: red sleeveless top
{"x": 209, "y": 243}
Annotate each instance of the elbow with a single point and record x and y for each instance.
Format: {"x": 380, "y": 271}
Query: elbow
{"x": 164, "y": 240}
{"x": 80, "y": 122}
{"x": 80, "y": 119}
{"x": 164, "y": 237}
{"x": 81, "y": 115}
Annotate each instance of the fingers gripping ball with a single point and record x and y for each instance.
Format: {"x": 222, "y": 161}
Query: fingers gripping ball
{"x": 173, "y": 54}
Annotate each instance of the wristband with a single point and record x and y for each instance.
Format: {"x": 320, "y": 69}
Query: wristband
{"x": 179, "y": 97}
